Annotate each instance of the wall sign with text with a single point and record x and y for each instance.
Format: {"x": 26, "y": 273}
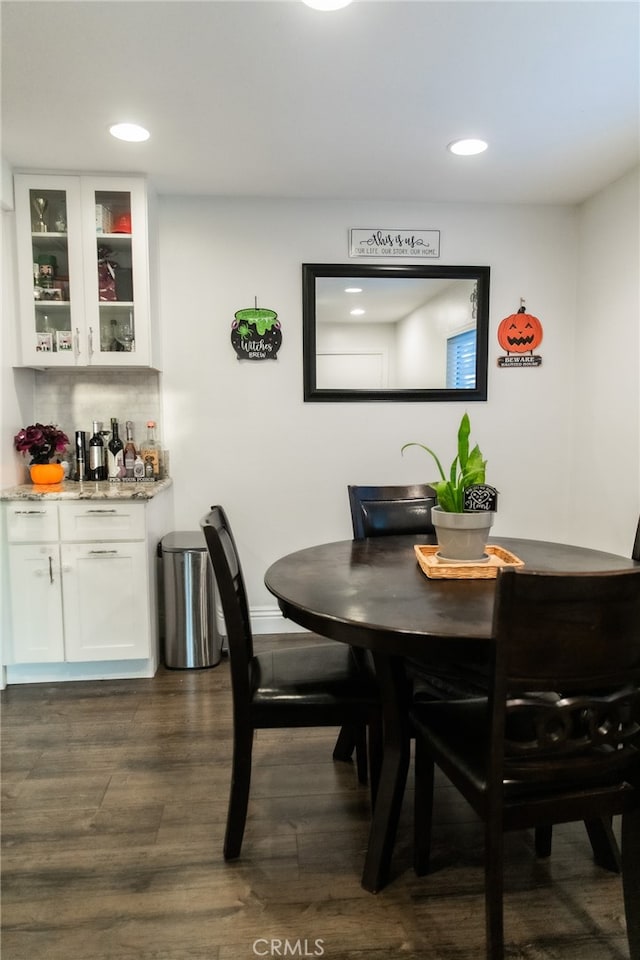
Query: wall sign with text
{"x": 414, "y": 244}
{"x": 519, "y": 335}
{"x": 256, "y": 334}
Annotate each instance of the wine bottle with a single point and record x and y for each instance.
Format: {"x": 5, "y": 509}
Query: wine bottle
{"x": 130, "y": 451}
{"x": 97, "y": 469}
{"x": 150, "y": 453}
{"x": 115, "y": 453}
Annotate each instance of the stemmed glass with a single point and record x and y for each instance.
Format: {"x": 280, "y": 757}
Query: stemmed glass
{"x": 40, "y": 205}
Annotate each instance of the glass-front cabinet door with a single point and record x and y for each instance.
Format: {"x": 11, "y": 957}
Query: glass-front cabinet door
{"x": 83, "y": 271}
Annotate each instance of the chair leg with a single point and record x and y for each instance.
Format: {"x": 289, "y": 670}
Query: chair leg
{"x": 345, "y": 744}
{"x": 494, "y": 886}
{"x": 631, "y": 879}
{"x": 543, "y": 837}
{"x": 424, "y": 768}
{"x": 360, "y": 732}
{"x": 604, "y": 844}
{"x": 239, "y": 793}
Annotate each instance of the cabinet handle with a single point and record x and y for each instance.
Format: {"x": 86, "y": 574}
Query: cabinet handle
{"x": 30, "y": 513}
{"x": 103, "y": 551}
{"x": 50, "y": 570}
{"x": 102, "y": 511}
{"x": 90, "y": 341}
{"x": 77, "y": 338}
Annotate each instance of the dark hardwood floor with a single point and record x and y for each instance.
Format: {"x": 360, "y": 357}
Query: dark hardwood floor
{"x": 114, "y": 803}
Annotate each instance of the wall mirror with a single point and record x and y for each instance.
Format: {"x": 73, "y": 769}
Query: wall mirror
{"x": 394, "y": 332}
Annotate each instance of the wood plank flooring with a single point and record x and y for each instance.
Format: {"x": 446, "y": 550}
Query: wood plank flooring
{"x": 114, "y": 803}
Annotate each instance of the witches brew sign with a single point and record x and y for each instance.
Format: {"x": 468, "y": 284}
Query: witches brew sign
{"x": 256, "y": 334}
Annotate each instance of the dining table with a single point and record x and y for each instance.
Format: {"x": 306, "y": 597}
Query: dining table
{"x": 374, "y": 595}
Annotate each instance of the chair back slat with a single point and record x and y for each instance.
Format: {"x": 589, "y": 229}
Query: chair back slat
{"x": 227, "y": 569}
{"x": 574, "y": 639}
{"x": 378, "y": 511}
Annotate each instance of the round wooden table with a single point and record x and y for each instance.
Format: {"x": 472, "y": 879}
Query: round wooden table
{"x": 372, "y": 594}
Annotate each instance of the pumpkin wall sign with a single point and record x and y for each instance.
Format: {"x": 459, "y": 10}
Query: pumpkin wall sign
{"x": 519, "y": 334}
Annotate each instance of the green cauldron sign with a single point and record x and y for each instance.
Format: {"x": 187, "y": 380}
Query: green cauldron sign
{"x": 255, "y": 334}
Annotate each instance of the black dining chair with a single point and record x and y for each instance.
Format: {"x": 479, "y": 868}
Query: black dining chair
{"x": 319, "y": 685}
{"x": 525, "y": 759}
{"x": 378, "y": 511}
{"x": 603, "y": 840}
{"x": 388, "y": 510}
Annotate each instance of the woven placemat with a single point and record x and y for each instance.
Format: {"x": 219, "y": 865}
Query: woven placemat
{"x": 435, "y": 568}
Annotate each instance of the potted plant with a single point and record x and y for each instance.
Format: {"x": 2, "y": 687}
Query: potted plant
{"x": 42, "y": 442}
{"x": 463, "y": 516}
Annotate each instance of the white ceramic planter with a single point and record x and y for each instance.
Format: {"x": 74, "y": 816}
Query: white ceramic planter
{"x": 462, "y": 536}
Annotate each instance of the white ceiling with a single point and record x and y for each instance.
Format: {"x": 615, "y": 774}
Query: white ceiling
{"x": 271, "y": 98}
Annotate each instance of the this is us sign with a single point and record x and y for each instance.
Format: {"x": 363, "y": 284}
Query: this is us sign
{"x": 379, "y": 242}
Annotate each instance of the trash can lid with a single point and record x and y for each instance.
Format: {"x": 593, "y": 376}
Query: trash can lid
{"x": 181, "y": 540}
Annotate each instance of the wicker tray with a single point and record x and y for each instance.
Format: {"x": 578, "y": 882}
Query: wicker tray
{"x": 435, "y": 568}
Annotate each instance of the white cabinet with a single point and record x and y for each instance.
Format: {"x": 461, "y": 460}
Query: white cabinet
{"x": 34, "y": 571}
{"x": 82, "y": 581}
{"x": 83, "y": 271}
{"x": 105, "y": 601}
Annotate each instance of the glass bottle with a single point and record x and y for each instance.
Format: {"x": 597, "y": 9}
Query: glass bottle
{"x": 97, "y": 470}
{"x": 150, "y": 453}
{"x": 115, "y": 455}
{"x": 130, "y": 451}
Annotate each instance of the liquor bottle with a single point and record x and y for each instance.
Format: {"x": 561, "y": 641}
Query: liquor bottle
{"x": 130, "y": 451}
{"x": 97, "y": 470}
{"x": 150, "y": 453}
{"x": 115, "y": 454}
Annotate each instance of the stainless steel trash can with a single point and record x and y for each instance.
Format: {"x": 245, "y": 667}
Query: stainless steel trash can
{"x": 191, "y": 637}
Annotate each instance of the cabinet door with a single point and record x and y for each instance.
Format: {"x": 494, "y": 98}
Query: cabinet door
{"x": 86, "y": 239}
{"x": 106, "y": 601}
{"x": 117, "y": 270}
{"x": 36, "y": 603}
{"x": 50, "y": 271}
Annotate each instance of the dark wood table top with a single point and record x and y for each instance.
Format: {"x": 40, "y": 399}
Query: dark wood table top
{"x": 372, "y": 593}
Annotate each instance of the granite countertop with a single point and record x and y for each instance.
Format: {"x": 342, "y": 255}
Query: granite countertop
{"x": 87, "y": 490}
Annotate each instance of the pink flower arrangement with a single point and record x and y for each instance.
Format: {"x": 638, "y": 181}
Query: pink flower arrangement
{"x": 40, "y": 441}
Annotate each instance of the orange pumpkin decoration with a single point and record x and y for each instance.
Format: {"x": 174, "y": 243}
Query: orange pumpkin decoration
{"x": 520, "y": 332}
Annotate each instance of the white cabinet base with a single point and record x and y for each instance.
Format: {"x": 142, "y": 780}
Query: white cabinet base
{"x": 98, "y": 670}
{"x": 83, "y": 585}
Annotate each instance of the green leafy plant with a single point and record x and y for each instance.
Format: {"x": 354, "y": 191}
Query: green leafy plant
{"x": 467, "y": 468}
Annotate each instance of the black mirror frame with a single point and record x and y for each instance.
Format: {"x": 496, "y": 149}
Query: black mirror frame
{"x": 311, "y": 271}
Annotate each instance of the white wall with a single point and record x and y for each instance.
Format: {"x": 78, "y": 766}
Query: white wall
{"x": 239, "y": 432}
{"x": 604, "y": 470}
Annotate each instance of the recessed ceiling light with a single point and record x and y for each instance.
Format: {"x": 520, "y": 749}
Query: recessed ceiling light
{"x": 353, "y": 289}
{"x": 467, "y": 148}
{"x": 129, "y": 131}
{"x": 327, "y": 4}
{"x": 357, "y": 312}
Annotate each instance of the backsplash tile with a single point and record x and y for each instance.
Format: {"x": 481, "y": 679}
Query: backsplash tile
{"x": 72, "y": 399}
